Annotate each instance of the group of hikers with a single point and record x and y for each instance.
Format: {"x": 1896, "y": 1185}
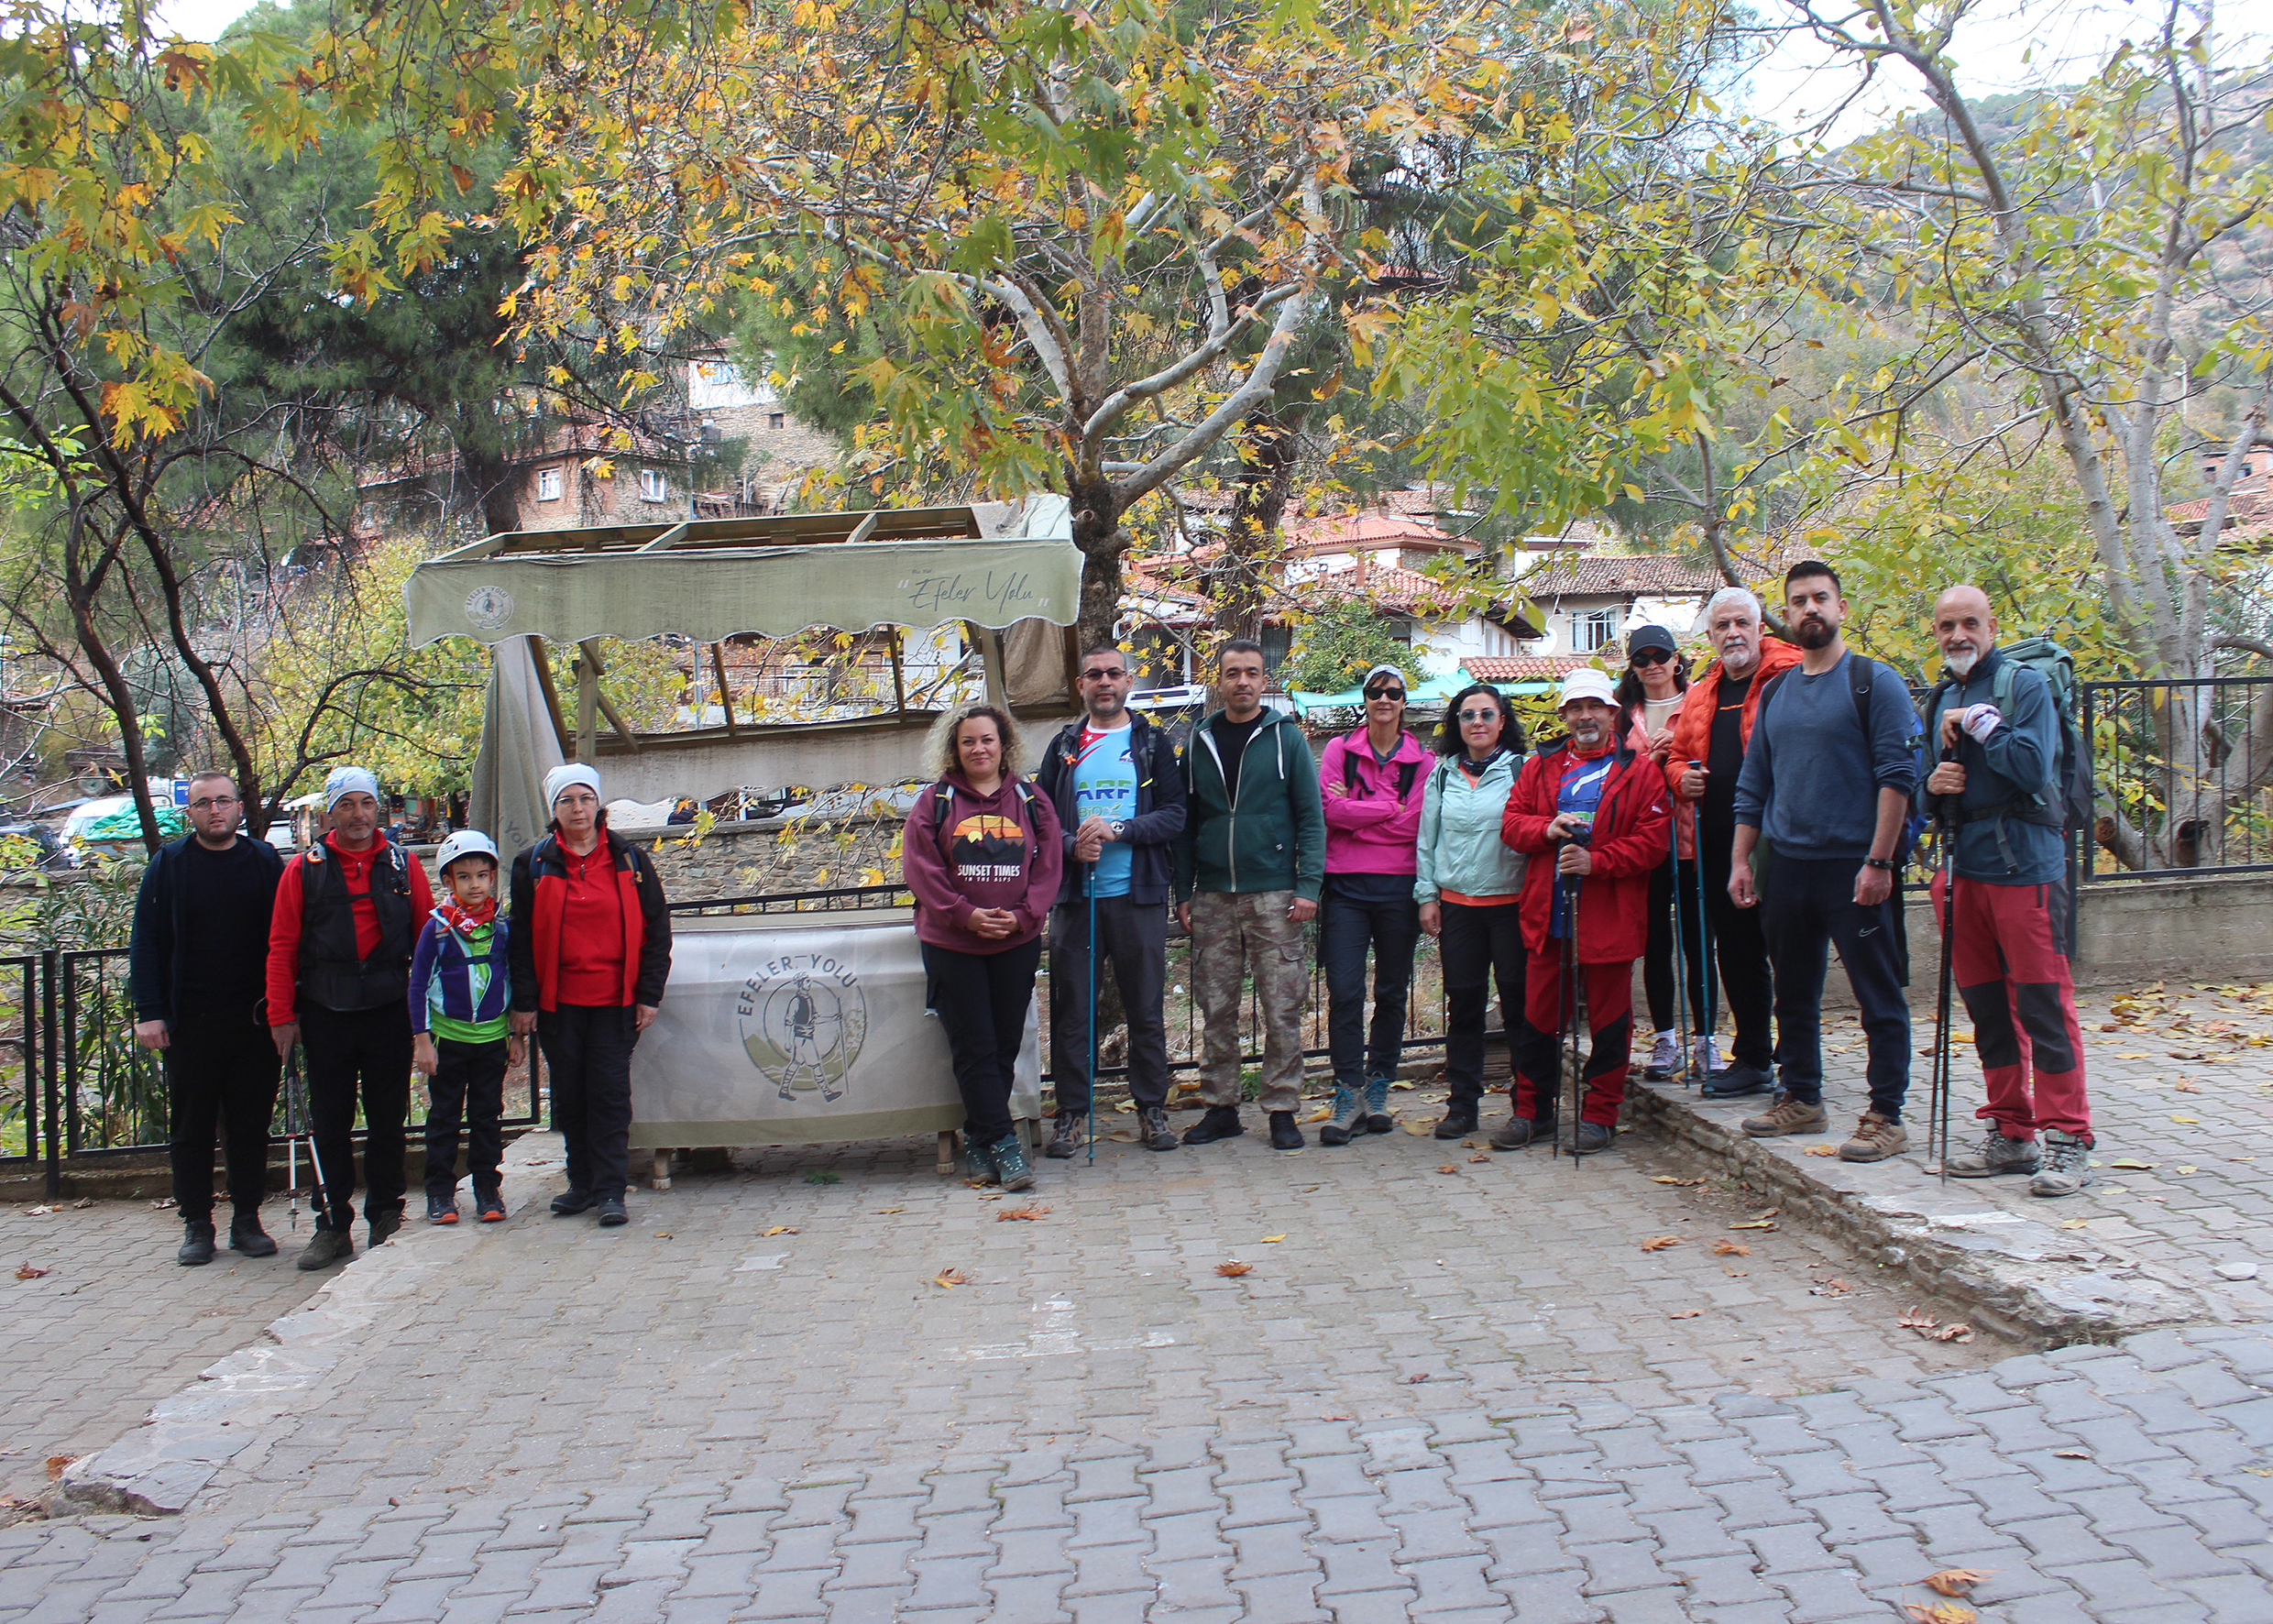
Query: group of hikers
{"x": 1733, "y": 828}
{"x": 239, "y": 954}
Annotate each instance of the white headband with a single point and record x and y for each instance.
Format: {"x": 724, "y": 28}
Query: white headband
{"x": 347, "y": 780}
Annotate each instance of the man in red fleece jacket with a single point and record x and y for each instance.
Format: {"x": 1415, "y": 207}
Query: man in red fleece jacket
{"x": 348, "y": 914}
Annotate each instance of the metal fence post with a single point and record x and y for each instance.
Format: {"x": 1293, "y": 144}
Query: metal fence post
{"x": 49, "y": 1078}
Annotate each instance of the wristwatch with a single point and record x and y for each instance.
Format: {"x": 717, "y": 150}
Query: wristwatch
{"x": 1118, "y": 829}
{"x": 1880, "y": 863}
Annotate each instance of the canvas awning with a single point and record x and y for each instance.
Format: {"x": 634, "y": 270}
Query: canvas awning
{"x": 714, "y": 578}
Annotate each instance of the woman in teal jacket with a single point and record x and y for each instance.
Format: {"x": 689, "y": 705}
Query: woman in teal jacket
{"x": 1466, "y": 881}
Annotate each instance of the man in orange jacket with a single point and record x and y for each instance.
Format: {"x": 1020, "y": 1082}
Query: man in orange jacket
{"x": 1710, "y": 735}
{"x": 1601, "y": 809}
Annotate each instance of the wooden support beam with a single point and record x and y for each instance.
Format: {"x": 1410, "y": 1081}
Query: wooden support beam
{"x": 899, "y": 678}
{"x": 543, "y": 663}
{"x": 989, "y": 643}
{"x": 591, "y": 662}
{"x": 726, "y": 692}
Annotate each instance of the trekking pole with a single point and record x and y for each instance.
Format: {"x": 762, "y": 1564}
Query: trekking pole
{"x": 1091, "y": 879}
{"x": 1570, "y": 1007}
{"x": 1938, "y": 1129}
{"x": 1704, "y": 945}
{"x": 1681, "y": 966}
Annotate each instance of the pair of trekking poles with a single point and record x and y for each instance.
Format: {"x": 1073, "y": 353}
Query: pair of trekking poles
{"x": 1690, "y": 1068}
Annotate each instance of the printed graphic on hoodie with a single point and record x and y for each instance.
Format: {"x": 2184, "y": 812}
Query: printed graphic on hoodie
{"x": 986, "y": 846}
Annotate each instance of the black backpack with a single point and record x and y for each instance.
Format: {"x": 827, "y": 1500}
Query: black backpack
{"x": 2064, "y": 801}
{"x": 1406, "y": 771}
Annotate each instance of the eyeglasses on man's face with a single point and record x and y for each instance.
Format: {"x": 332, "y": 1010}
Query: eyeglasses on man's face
{"x": 210, "y": 802}
{"x": 1649, "y": 657}
{"x": 1103, "y": 672}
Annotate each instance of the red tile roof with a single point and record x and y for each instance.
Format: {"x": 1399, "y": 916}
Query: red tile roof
{"x": 1614, "y": 576}
{"x": 2248, "y": 512}
{"x": 1522, "y": 667}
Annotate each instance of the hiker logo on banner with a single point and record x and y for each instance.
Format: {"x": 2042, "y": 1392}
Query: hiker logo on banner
{"x": 803, "y": 1020}
{"x": 488, "y": 607}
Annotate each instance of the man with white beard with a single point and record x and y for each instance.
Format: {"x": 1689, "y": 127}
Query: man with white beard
{"x": 1995, "y": 724}
{"x": 1709, "y": 733}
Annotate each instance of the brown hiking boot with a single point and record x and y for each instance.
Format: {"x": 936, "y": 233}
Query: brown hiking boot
{"x": 1787, "y": 1116}
{"x": 1875, "y": 1139}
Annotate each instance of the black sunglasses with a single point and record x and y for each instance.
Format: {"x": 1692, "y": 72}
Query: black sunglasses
{"x": 1649, "y": 656}
{"x": 1397, "y": 694}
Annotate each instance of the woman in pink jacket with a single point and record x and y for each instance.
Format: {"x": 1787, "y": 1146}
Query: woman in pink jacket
{"x": 982, "y": 852}
{"x": 1373, "y": 781}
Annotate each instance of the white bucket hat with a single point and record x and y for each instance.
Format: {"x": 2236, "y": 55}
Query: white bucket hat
{"x": 1586, "y": 682}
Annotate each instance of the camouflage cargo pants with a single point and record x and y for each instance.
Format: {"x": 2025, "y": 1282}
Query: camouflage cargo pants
{"x": 1235, "y": 934}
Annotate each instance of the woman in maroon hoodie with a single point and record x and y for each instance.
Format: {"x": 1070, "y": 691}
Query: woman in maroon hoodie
{"x": 981, "y": 853}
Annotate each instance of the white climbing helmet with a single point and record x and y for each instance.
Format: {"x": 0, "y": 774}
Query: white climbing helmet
{"x": 467, "y": 842}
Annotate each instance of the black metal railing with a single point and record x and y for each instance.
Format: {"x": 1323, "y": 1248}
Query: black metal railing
{"x": 76, "y": 1087}
{"x": 2182, "y": 773}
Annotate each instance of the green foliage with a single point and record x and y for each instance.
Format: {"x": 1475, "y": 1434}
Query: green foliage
{"x": 1336, "y": 645}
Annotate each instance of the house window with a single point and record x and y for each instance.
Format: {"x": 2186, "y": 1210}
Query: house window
{"x": 548, "y": 485}
{"x": 1593, "y": 630}
{"x": 652, "y": 487}
{"x": 774, "y": 420}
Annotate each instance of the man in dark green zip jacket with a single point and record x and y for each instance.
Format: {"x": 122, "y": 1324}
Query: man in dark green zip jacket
{"x": 1250, "y": 864}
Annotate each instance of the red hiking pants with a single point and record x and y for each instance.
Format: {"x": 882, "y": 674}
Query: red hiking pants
{"x": 1610, "y": 1011}
{"x": 2004, "y": 954}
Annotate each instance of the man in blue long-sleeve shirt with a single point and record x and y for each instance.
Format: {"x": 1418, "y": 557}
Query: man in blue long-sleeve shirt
{"x": 1999, "y": 734}
{"x": 1822, "y": 800}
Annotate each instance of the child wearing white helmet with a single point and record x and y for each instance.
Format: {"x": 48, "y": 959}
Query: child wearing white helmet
{"x": 461, "y": 1007}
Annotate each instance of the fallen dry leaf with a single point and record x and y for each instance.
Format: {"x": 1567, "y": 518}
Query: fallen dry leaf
{"x": 1686, "y": 1313}
{"x": 1272, "y": 1240}
{"x": 2127, "y": 1164}
{"x": 43, "y": 1211}
{"x": 1822, "y": 1150}
{"x": 82, "y": 1203}
{"x": 778, "y": 1229}
{"x": 2189, "y": 1122}
{"x": 25, "y": 1271}
{"x": 1416, "y": 1380}
{"x": 950, "y": 1276}
{"x": 2185, "y": 1087}
{"x": 1030, "y": 1214}
{"x": 1449, "y": 1168}
{"x": 1731, "y": 1249}
{"x": 880, "y": 1212}
{"x": 2074, "y": 1223}
{"x": 1918, "y": 1318}
{"x": 663, "y": 1235}
{"x": 1658, "y": 1242}
{"x": 1833, "y": 1288}
{"x": 1324, "y": 1114}
{"x": 1941, "y": 1612}
{"x": 1235, "y": 1268}
{"x": 1669, "y": 1179}
{"x": 2189, "y": 1169}
{"x": 1480, "y": 1157}
{"x": 1422, "y": 1128}
{"x": 1955, "y": 1581}
{"x": 1954, "y": 1334}
{"x": 1756, "y": 1223}
{"x": 161, "y": 1206}
{"x": 2073, "y": 1454}
{"x": 58, "y": 1465}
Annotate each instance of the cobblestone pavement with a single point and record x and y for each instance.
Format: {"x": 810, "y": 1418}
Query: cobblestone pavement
{"x": 114, "y": 1325}
{"x": 1437, "y": 1394}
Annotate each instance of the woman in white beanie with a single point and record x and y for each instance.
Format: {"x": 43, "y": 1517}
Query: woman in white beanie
{"x": 591, "y": 950}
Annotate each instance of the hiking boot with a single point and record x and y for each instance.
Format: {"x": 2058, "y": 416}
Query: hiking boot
{"x": 1459, "y": 1120}
{"x": 1222, "y": 1121}
{"x": 197, "y": 1243}
{"x": 1522, "y": 1131}
{"x": 325, "y": 1247}
{"x": 1995, "y": 1154}
{"x": 441, "y": 1208}
{"x": 1704, "y": 1058}
{"x": 979, "y": 1160}
{"x": 489, "y": 1206}
{"x": 1284, "y": 1135}
{"x": 1377, "y": 1106}
{"x": 611, "y": 1213}
{"x": 2067, "y": 1165}
{"x": 1592, "y": 1136}
{"x": 248, "y": 1239}
{"x": 1875, "y": 1139}
{"x": 1735, "y": 1083}
{"x": 569, "y": 1202}
{"x": 1787, "y": 1116}
{"x": 1349, "y": 1117}
{"x": 385, "y": 1221}
{"x": 1067, "y": 1137}
{"x": 1152, "y": 1130}
{"x": 1664, "y": 1058}
{"x": 1010, "y": 1164}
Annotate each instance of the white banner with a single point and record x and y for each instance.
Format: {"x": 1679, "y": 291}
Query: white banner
{"x": 800, "y": 1029}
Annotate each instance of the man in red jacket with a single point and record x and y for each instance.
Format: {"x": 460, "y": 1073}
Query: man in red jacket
{"x": 348, "y": 914}
{"x": 1600, "y": 809}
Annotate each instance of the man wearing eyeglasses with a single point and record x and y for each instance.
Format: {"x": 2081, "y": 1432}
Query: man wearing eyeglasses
{"x": 1119, "y": 790}
{"x": 195, "y": 968}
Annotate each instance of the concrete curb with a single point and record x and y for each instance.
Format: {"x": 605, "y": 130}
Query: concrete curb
{"x": 157, "y": 1470}
{"x": 2015, "y": 1277}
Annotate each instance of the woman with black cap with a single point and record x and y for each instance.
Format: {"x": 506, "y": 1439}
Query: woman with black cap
{"x": 1649, "y": 695}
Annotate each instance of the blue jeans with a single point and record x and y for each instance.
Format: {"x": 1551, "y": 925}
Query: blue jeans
{"x": 1357, "y": 912}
